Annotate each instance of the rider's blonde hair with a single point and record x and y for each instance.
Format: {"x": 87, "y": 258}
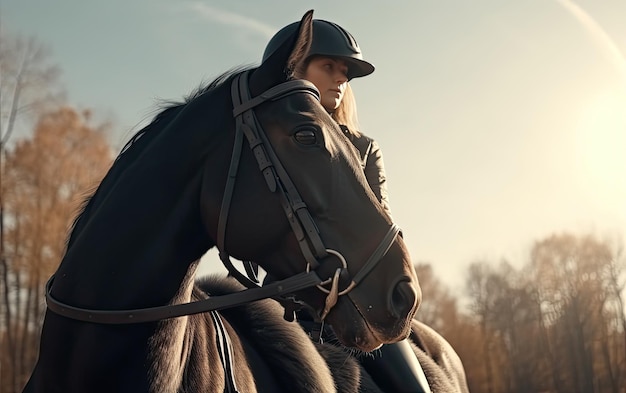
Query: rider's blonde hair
{"x": 345, "y": 114}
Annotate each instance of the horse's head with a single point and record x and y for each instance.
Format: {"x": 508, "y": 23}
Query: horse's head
{"x": 349, "y": 234}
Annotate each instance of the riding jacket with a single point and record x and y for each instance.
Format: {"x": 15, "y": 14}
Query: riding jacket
{"x": 372, "y": 163}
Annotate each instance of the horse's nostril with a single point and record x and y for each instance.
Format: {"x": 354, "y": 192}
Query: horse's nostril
{"x": 402, "y": 299}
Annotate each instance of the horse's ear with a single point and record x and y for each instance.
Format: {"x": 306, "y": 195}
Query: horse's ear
{"x": 279, "y": 66}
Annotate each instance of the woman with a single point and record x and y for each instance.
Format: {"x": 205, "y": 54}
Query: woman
{"x": 335, "y": 58}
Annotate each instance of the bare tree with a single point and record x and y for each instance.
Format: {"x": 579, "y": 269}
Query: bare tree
{"x": 614, "y": 334}
{"x": 51, "y": 174}
{"x": 573, "y": 275}
{"x": 479, "y": 286}
{"x": 28, "y": 82}
{"x": 27, "y": 86}
{"x": 508, "y": 316}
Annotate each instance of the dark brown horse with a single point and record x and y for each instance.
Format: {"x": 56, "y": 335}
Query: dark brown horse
{"x": 184, "y": 185}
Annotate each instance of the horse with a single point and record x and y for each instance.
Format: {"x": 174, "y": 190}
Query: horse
{"x": 296, "y": 203}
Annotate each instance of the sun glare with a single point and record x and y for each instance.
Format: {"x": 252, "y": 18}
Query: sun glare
{"x": 602, "y": 141}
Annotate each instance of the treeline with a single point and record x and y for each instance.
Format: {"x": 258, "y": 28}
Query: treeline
{"x": 556, "y": 324}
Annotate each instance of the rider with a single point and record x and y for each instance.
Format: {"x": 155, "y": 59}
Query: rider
{"x": 335, "y": 58}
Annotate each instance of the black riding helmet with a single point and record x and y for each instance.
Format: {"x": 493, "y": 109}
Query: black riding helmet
{"x": 329, "y": 39}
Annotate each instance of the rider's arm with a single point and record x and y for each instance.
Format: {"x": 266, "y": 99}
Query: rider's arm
{"x": 375, "y": 174}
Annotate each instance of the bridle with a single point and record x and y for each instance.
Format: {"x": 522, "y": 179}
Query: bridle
{"x": 278, "y": 181}
{"x": 300, "y": 220}
{"x": 302, "y": 224}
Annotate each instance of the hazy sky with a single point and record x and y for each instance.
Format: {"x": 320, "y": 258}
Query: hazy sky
{"x": 501, "y": 122}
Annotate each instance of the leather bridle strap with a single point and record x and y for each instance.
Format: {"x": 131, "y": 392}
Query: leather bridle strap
{"x": 264, "y": 162}
{"x": 275, "y": 175}
{"x": 277, "y": 179}
{"x": 371, "y": 262}
{"x": 152, "y": 314}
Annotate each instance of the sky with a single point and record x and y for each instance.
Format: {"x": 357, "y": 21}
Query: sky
{"x": 501, "y": 122}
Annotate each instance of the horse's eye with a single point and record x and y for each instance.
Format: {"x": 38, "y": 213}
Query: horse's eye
{"x": 306, "y": 137}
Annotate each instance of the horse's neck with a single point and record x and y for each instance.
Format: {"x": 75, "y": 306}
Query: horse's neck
{"x": 144, "y": 227}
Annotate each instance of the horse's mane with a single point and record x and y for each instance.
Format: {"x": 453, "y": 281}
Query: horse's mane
{"x": 169, "y": 109}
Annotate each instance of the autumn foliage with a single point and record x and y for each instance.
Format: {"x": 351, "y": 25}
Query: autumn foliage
{"x": 556, "y": 324}
{"x": 45, "y": 180}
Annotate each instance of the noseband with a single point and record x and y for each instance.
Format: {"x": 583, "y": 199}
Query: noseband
{"x": 301, "y": 221}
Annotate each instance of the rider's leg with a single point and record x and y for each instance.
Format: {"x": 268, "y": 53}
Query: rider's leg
{"x": 395, "y": 368}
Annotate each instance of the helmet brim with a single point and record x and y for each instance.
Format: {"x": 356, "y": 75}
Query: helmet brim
{"x": 357, "y": 68}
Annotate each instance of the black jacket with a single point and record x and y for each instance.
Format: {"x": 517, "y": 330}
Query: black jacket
{"x": 373, "y": 165}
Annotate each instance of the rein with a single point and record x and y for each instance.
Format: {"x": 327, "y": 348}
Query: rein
{"x": 302, "y": 224}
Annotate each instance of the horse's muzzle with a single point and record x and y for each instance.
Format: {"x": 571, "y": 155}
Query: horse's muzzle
{"x": 404, "y": 298}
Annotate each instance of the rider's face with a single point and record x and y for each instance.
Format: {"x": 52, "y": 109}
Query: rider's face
{"x": 329, "y": 75}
